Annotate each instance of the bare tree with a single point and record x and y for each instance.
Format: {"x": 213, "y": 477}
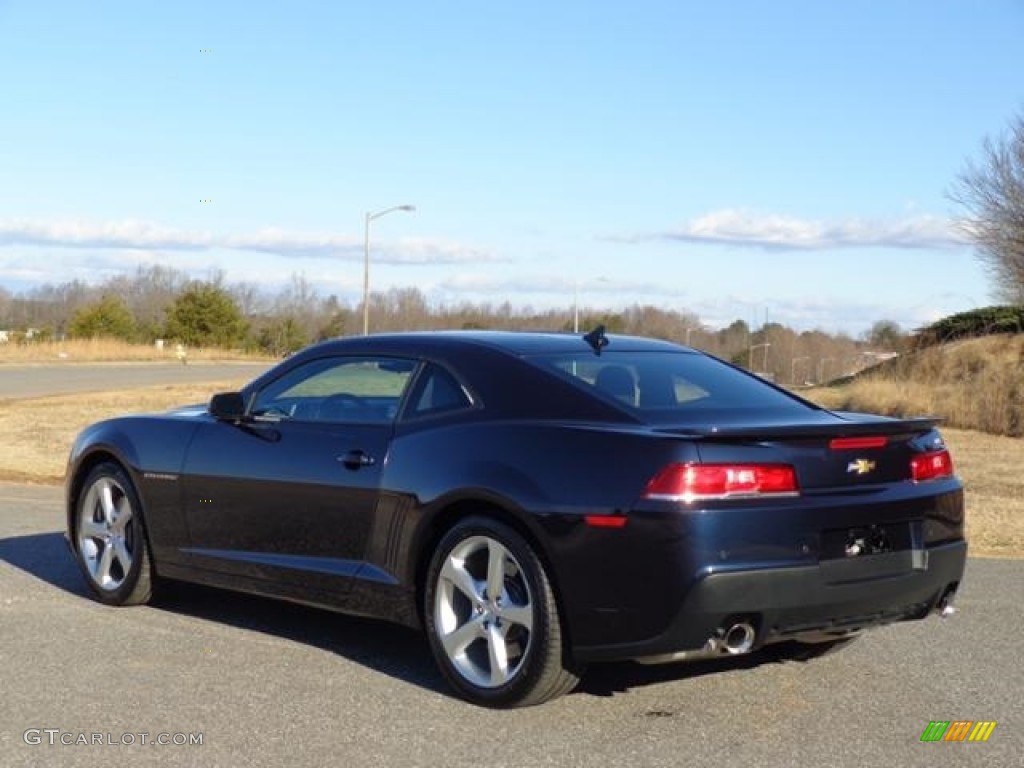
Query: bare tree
{"x": 991, "y": 190}
{"x": 886, "y": 335}
{"x": 249, "y": 298}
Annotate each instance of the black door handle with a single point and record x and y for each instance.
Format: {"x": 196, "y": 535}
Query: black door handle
{"x": 356, "y": 459}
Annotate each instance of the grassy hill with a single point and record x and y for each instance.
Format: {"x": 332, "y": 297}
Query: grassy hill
{"x": 974, "y": 384}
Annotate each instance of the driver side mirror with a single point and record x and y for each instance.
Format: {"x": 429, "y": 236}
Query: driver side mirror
{"x": 227, "y": 406}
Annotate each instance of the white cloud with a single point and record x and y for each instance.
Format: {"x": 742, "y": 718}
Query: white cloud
{"x": 556, "y": 285}
{"x": 777, "y": 232}
{"x": 133, "y": 234}
{"x": 28, "y": 266}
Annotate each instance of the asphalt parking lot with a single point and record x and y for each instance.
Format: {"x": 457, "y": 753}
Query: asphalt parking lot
{"x": 270, "y": 684}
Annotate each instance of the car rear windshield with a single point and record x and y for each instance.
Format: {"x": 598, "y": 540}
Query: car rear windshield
{"x": 671, "y": 387}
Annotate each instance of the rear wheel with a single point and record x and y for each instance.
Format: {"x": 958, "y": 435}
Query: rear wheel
{"x": 110, "y": 538}
{"x": 492, "y": 618}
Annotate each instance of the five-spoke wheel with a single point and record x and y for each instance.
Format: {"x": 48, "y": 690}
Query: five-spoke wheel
{"x": 110, "y": 540}
{"x": 492, "y": 618}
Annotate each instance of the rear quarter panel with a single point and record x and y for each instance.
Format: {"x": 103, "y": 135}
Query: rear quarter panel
{"x": 548, "y": 476}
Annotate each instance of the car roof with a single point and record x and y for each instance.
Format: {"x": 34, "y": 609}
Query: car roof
{"x": 495, "y": 365}
{"x": 513, "y": 342}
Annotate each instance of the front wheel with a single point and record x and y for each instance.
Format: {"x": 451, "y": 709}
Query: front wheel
{"x": 110, "y": 538}
{"x": 492, "y": 618}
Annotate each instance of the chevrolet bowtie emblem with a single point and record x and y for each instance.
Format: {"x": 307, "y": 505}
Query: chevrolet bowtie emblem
{"x": 860, "y": 466}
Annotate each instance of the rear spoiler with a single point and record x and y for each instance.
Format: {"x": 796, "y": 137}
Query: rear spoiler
{"x": 859, "y": 428}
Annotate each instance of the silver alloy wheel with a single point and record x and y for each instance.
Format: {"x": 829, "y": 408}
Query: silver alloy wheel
{"x": 106, "y": 534}
{"x": 483, "y": 611}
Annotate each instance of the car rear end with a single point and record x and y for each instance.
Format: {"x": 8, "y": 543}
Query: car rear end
{"x": 809, "y": 537}
{"x": 761, "y": 519}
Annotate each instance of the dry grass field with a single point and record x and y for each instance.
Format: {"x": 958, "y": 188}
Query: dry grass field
{"x": 38, "y": 433}
{"x": 972, "y": 384}
{"x": 108, "y": 350}
{"x": 988, "y": 465}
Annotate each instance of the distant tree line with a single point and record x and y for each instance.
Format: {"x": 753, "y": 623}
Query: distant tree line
{"x": 158, "y": 302}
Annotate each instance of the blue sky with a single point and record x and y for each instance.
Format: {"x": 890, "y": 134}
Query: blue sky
{"x": 788, "y": 160}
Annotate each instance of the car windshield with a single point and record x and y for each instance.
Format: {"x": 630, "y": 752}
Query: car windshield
{"x": 671, "y": 387}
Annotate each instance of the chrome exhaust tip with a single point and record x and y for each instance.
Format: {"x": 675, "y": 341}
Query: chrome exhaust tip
{"x": 945, "y": 607}
{"x": 739, "y": 638}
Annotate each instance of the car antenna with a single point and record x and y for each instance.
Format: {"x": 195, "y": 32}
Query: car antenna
{"x": 597, "y": 340}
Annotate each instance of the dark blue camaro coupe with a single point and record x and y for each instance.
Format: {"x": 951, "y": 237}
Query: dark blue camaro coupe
{"x": 535, "y": 502}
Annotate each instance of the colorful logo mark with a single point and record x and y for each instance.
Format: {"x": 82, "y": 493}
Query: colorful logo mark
{"x": 958, "y": 730}
{"x": 860, "y": 466}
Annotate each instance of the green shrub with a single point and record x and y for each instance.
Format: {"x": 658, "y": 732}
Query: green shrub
{"x": 977, "y": 322}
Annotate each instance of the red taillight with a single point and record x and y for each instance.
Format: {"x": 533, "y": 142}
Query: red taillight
{"x": 689, "y": 482}
{"x": 605, "y": 521}
{"x": 931, "y": 466}
{"x": 857, "y": 443}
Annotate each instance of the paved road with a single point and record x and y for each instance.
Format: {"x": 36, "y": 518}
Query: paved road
{"x": 18, "y": 381}
{"x": 269, "y": 684}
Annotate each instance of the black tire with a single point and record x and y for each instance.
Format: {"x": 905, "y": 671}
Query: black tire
{"x": 109, "y": 538}
{"x": 467, "y": 633}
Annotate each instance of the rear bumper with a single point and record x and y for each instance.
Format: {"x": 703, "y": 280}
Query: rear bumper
{"x": 783, "y": 602}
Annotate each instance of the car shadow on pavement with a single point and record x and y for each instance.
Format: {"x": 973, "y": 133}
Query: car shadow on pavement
{"x": 604, "y": 680}
{"x": 45, "y": 556}
{"x": 387, "y": 648}
{"x": 390, "y": 649}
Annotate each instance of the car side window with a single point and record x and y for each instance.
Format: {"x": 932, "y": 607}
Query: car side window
{"x": 437, "y": 392}
{"x": 365, "y": 390}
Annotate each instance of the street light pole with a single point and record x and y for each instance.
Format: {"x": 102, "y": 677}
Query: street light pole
{"x": 576, "y": 305}
{"x": 366, "y": 258}
{"x": 792, "y": 373}
{"x": 576, "y": 300}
